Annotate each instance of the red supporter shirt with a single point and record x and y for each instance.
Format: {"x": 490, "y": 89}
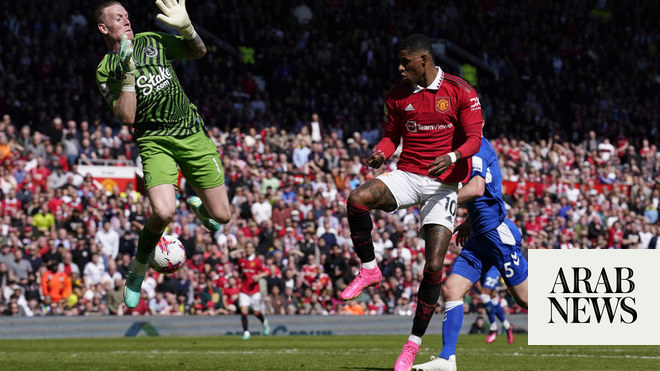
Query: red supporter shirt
{"x": 40, "y": 175}
{"x": 230, "y": 293}
{"x": 250, "y": 268}
{"x": 533, "y": 226}
{"x": 514, "y": 154}
{"x": 432, "y": 122}
{"x": 310, "y": 272}
{"x": 10, "y": 206}
{"x": 322, "y": 282}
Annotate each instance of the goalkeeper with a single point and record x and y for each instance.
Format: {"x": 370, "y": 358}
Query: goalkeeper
{"x": 138, "y": 82}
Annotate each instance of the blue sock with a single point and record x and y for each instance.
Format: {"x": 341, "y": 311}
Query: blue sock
{"x": 491, "y": 311}
{"x": 451, "y": 327}
{"x": 497, "y": 308}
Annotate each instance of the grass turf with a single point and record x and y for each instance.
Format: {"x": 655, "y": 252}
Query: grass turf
{"x": 309, "y": 353}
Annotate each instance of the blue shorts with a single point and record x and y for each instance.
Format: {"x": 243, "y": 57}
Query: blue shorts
{"x": 491, "y": 279}
{"x": 499, "y": 248}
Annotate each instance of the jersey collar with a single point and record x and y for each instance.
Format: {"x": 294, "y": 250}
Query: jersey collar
{"x": 435, "y": 85}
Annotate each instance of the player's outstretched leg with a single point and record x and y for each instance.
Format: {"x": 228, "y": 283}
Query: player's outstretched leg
{"x": 485, "y": 298}
{"x": 264, "y": 323}
{"x": 361, "y": 225}
{"x": 195, "y": 204}
{"x": 139, "y": 266}
{"x": 244, "y": 323}
{"x": 133, "y": 287}
{"x": 499, "y": 312}
{"x": 266, "y": 328}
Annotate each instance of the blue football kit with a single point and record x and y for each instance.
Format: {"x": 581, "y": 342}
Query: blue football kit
{"x": 495, "y": 240}
{"x": 491, "y": 279}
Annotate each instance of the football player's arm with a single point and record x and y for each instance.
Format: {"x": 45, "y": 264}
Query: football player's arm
{"x": 125, "y": 107}
{"x": 387, "y": 145}
{"x": 474, "y": 189}
{"x": 472, "y": 123}
{"x": 264, "y": 271}
{"x": 463, "y": 231}
{"x": 235, "y": 253}
{"x": 121, "y": 100}
{"x": 196, "y": 47}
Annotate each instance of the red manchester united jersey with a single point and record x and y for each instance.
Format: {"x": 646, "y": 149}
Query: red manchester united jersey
{"x": 431, "y": 122}
{"x": 249, "y": 269}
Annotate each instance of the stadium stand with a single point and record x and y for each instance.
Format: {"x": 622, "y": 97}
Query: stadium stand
{"x": 573, "y": 116}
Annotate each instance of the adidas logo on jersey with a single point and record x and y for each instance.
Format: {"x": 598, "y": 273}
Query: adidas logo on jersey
{"x": 410, "y": 107}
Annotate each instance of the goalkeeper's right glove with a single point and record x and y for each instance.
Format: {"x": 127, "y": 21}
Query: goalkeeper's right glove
{"x": 175, "y": 15}
{"x": 127, "y": 64}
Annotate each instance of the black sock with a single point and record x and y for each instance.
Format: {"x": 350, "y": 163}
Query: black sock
{"x": 244, "y": 322}
{"x": 427, "y": 299}
{"x": 361, "y": 225}
{"x": 260, "y": 317}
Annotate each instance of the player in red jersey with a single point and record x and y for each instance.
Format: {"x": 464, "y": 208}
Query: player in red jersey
{"x": 438, "y": 118}
{"x": 252, "y": 270}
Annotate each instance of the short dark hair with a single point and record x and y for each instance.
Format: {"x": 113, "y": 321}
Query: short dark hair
{"x": 417, "y": 43}
{"x": 98, "y": 12}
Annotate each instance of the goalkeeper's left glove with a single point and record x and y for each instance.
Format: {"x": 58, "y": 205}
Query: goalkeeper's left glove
{"x": 127, "y": 64}
{"x": 175, "y": 15}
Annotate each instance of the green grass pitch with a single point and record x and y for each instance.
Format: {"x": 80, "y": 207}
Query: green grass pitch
{"x": 309, "y": 353}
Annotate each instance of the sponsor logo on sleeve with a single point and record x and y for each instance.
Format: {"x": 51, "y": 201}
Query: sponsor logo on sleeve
{"x": 477, "y": 164}
{"x": 475, "y": 104}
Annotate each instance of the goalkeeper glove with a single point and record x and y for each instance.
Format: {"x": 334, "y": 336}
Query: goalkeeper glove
{"x": 175, "y": 15}
{"x": 127, "y": 64}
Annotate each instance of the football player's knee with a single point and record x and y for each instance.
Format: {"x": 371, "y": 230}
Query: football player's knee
{"x": 358, "y": 196}
{"x": 222, "y": 217}
{"x": 164, "y": 214}
{"x": 447, "y": 292}
{"x": 435, "y": 264}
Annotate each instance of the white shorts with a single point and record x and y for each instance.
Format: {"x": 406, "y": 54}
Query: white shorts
{"x": 437, "y": 200}
{"x": 253, "y": 301}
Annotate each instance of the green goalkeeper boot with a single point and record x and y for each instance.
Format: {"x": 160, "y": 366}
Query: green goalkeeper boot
{"x": 195, "y": 204}
{"x": 133, "y": 287}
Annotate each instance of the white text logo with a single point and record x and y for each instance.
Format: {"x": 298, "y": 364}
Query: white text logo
{"x": 157, "y": 82}
{"x": 475, "y": 104}
{"x": 414, "y": 127}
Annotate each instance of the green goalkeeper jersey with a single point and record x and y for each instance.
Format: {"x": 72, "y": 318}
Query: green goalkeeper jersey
{"x": 163, "y": 109}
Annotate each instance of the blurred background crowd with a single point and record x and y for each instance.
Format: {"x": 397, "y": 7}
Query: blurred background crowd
{"x": 292, "y": 94}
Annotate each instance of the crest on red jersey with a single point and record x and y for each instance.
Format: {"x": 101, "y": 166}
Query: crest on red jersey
{"x": 442, "y": 104}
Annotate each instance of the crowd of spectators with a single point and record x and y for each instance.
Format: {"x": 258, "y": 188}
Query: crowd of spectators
{"x": 573, "y": 116}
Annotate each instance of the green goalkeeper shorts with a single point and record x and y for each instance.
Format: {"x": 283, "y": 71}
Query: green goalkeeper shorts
{"x": 196, "y": 156}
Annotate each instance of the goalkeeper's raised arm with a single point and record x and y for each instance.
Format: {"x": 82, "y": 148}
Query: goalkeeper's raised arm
{"x": 175, "y": 15}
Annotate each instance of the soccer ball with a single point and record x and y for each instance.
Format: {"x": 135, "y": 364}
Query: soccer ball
{"x": 168, "y": 256}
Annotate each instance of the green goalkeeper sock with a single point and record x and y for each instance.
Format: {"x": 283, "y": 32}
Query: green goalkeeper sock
{"x": 202, "y": 210}
{"x": 146, "y": 244}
